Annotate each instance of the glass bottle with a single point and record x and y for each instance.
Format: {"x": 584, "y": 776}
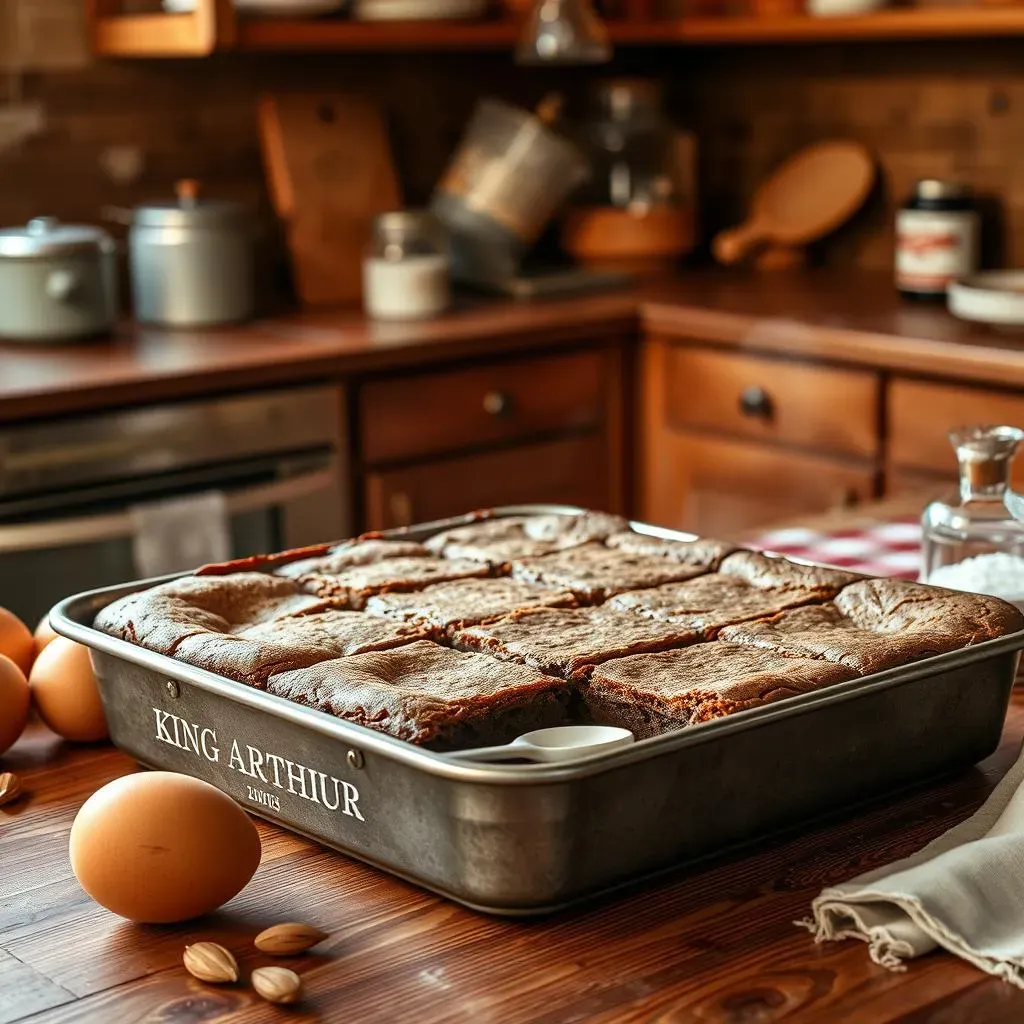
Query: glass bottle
{"x": 973, "y": 542}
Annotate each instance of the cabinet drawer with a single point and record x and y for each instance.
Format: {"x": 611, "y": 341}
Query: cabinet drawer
{"x": 765, "y": 399}
{"x": 435, "y": 412}
{"x": 572, "y": 472}
{"x": 729, "y": 488}
{"x": 921, "y": 416}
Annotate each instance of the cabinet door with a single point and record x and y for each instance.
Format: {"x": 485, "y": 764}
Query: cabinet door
{"x": 572, "y": 472}
{"x": 729, "y": 488}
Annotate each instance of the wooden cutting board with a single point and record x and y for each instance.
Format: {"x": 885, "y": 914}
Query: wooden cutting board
{"x": 329, "y": 172}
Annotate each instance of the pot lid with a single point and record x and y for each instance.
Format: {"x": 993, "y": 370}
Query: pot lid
{"x": 188, "y": 210}
{"x": 46, "y": 236}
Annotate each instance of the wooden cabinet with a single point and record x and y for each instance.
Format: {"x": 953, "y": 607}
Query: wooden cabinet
{"x": 539, "y": 428}
{"x": 710, "y": 466}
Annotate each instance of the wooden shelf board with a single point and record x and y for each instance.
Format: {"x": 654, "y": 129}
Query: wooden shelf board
{"x": 168, "y": 34}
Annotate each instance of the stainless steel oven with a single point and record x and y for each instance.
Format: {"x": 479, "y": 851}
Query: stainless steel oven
{"x": 90, "y": 501}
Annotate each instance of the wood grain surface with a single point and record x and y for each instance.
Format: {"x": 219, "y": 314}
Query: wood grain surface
{"x": 716, "y": 944}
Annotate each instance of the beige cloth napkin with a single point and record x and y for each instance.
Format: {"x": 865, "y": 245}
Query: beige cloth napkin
{"x": 963, "y": 892}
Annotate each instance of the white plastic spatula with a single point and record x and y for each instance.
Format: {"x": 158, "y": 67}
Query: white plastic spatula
{"x": 562, "y": 743}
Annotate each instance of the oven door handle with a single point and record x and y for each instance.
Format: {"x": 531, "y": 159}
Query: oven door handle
{"x": 65, "y": 533}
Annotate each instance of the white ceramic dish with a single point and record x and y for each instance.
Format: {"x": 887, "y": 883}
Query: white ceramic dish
{"x": 266, "y": 8}
{"x": 842, "y": 8}
{"x": 992, "y": 297}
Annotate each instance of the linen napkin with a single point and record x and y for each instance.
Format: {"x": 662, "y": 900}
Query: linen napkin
{"x": 963, "y": 892}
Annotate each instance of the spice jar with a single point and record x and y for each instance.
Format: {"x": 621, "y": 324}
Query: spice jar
{"x": 936, "y": 238}
{"x": 972, "y": 542}
{"x": 407, "y": 269}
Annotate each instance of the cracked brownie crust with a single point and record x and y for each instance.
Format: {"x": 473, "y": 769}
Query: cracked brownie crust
{"x": 704, "y": 552}
{"x": 431, "y": 695}
{"x": 653, "y": 693}
{"x": 447, "y": 606}
{"x": 569, "y": 642}
{"x": 354, "y": 553}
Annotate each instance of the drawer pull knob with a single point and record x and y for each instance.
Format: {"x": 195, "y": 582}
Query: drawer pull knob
{"x": 756, "y": 403}
{"x": 497, "y": 403}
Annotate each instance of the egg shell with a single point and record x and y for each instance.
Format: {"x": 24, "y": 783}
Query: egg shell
{"x": 14, "y": 703}
{"x": 16, "y": 642}
{"x": 65, "y": 693}
{"x": 43, "y": 635}
{"x": 159, "y": 847}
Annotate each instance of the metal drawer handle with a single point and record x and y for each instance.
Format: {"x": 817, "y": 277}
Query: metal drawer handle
{"x": 756, "y": 403}
{"x": 497, "y": 403}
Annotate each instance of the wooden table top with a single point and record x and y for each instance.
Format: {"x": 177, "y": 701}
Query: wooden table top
{"x": 847, "y": 317}
{"x": 717, "y": 944}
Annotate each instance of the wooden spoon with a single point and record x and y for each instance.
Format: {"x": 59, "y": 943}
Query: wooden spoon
{"x": 811, "y": 194}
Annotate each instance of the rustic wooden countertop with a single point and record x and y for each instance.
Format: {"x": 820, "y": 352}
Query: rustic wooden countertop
{"x": 824, "y": 315}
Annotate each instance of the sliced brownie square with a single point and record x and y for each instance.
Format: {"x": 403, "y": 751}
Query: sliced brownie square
{"x": 594, "y": 572}
{"x": 655, "y": 693}
{"x": 430, "y": 695}
{"x": 353, "y": 553}
{"x": 891, "y": 606}
{"x": 824, "y": 631}
{"x": 708, "y": 603}
{"x": 460, "y": 603}
{"x": 353, "y": 586}
{"x": 704, "y": 552}
{"x": 771, "y": 572}
{"x": 497, "y": 541}
{"x": 569, "y": 642}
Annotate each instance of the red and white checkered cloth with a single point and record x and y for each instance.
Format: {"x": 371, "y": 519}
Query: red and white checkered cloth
{"x": 888, "y": 549}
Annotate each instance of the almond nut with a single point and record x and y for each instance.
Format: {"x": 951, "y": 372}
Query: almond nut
{"x": 277, "y": 984}
{"x": 211, "y": 962}
{"x": 10, "y": 787}
{"x": 289, "y": 938}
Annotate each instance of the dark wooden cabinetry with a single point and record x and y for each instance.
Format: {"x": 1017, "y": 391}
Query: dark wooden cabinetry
{"x": 538, "y": 428}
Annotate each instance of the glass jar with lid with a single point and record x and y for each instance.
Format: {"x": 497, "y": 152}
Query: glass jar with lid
{"x": 407, "y": 268}
{"x": 972, "y": 541}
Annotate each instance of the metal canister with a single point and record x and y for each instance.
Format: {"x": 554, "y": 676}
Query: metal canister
{"x": 191, "y": 261}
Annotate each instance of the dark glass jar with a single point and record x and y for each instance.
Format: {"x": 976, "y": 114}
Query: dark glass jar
{"x": 936, "y": 239}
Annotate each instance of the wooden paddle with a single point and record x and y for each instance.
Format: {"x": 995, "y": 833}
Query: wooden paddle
{"x": 811, "y": 194}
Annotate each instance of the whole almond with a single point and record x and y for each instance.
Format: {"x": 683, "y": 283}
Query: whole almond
{"x": 277, "y": 984}
{"x": 289, "y": 938}
{"x": 211, "y": 962}
{"x": 10, "y": 787}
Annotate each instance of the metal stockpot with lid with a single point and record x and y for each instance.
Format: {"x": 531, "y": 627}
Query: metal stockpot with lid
{"x": 57, "y": 281}
{"x": 191, "y": 261}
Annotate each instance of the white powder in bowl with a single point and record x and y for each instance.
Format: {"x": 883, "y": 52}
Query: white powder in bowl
{"x": 999, "y": 574}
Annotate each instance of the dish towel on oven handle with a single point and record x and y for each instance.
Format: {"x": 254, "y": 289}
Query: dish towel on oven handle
{"x": 963, "y": 892}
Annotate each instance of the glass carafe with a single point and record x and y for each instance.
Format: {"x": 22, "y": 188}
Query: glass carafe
{"x": 972, "y": 542}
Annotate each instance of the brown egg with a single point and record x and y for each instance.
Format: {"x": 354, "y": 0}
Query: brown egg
{"x": 14, "y": 703}
{"x": 65, "y": 694}
{"x": 43, "y": 635}
{"x": 16, "y": 641}
{"x": 158, "y": 847}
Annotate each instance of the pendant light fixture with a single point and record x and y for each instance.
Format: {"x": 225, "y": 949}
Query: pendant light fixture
{"x": 563, "y": 32}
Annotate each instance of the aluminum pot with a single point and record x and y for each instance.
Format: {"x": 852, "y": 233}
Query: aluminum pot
{"x": 191, "y": 261}
{"x": 57, "y": 281}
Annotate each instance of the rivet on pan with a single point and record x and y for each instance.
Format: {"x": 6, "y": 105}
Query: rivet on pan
{"x": 354, "y": 758}
{"x": 173, "y": 689}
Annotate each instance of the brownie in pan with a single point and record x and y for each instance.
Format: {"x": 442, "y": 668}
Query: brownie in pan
{"x": 431, "y": 695}
{"x": 498, "y": 541}
{"x": 353, "y": 586}
{"x": 703, "y": 553}
{"x": 568, "y": 642}
{"x": 594, "y": 572}
{"x": 824, "y": 631}
{"x": 247, "y": 626}
{"x": 654, "y": 693}
{"x": 353, "y": 553}
{"x": 461, "y": 603}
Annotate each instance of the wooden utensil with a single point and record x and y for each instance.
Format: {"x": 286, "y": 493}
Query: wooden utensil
{"x": 330, "y": 172}
{"x": 811, "y": 194}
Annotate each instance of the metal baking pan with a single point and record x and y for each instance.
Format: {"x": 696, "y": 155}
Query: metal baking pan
{"x": 519, "y": 840}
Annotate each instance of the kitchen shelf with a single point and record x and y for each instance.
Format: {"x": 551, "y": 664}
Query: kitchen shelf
{"x": 214, "y": 27}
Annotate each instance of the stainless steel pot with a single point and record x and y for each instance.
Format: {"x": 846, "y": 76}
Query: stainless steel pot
{"x": 191, "y": 261}
{"x": 57, "y": 281}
